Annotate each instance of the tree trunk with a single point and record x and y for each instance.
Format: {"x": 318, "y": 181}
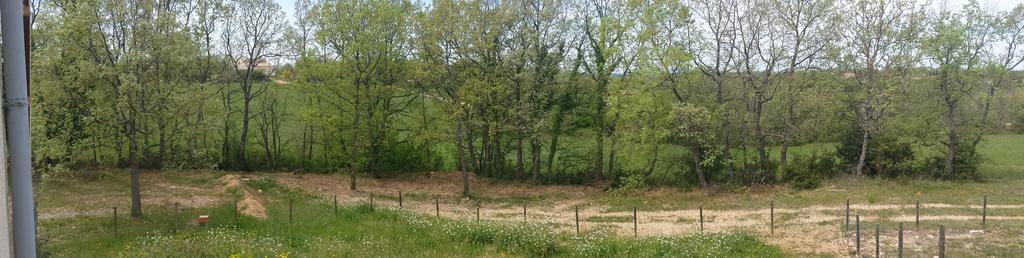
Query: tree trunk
{"x": 783, "y": 153}
{"x": 520, "y": 166}
{"x": 535, "y": 154}
{"x": 863, "y": 154}
{"x": 247, "y": 98}
{"x": 952, "y": 135}
{"x": 556, "y": 131}
{"x": 355, "y": 141}
{"x": 133, "y": 159}
{"x": 462, "y": 158}
{"x": 697, "y": 158}
{"x": 762, "y": 142}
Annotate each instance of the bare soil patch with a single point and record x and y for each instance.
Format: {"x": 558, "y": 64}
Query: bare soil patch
{"x": 809, "y": 229}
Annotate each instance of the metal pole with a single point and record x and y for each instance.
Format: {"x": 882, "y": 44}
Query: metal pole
{"x": 984, "y": 210}
{"x": 19, "y": 141}
{"x": 917, "y": 214}
{"x": 771, "y": 211}
{"x": 847, "y": 232}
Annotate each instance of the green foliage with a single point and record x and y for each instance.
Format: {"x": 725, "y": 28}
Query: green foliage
{"x": 965, "y": 164}
{"x": 807, "y": 172}
{"x": 629, "y": 182}
{"x": 886, "y": 156}
{"x": 406, "y": 157}
{"x": 264, "y": 184}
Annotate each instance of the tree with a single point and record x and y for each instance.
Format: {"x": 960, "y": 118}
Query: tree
{"x": 956, "y": 44}
{"x": 713, "y": 40}
{"x": 880, "y": 48}
{"x": 608, "y": 28}
{"x": 760, "y": 54}
{"x": 807, "y": 30}
{"x": 250, "y": 36}
{"x": 1008, "y": 33}
{"x": 369, "y": 41}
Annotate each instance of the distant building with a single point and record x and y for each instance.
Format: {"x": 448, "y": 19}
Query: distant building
{"x": 261, "y": 66}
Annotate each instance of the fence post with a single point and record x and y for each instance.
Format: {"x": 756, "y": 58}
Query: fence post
{"x": 524, "y": 211}
{"x": 771, "y": 212}
{"x": 437, "y": 207}
{"x": 878, "y": 248}
{"x": 336, "y": 205}
{"x": 577, "y": 219}
{"x": 702, "y": 218}
{"x": 634, "y": 222}
{"x": 847, "y": 231}
{"x": 899, "y": 244}
{"x": 478, "y": 211}
{"x": 984, "y": 210}
{"x": 917, "y": 214}
{"x": 371, "y": 200}
{"x": 942, "y": 241}
{"x": 399, "y": 199}
{"x": 115, "y": 221}
{"x": 858, "y": 234}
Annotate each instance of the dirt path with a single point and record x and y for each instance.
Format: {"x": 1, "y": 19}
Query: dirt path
{"x": 810, "y": 229}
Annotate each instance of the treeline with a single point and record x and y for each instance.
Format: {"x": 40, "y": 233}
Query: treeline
{"x": 623, "y": 92}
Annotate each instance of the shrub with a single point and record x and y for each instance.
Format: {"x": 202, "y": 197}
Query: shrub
{"x": 405, "y": 157}
{"x": 807, "y": 172}
{"x": 754, "y": 173}
{"x": 629, "y": 182}
{"x": 965, "y": 164}
{"x": 886, "y": 156}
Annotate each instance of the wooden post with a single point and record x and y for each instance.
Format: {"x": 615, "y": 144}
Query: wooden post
{"x": 771, "y": 212}
{"x": 524, "y": 211}
{"x": 478, "y": 211}
{"x": 291, "y": 203}
{"x": 702, "y": 218}
{"x": 917, "y": 214}
{"x": 634, "y": 222}
{"x": 942, "y": 241}
{"x": 399, "y": 199}
{"x": 858, "y": 235}
{"x": 878, "y": 250}
{"x": 115, "y": 221}
{"x": 984, "y": 209}
{"x": 437, "y": 207}
{"x": 371, "y": 200}
{"x": 847, "y": 232}
{"x": 899, "y": 244}
{"x": 577, "y": 219}
{"x": 336, "y": 205}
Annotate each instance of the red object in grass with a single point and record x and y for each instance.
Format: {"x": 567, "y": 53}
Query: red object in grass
{"x": 203, "y": 219}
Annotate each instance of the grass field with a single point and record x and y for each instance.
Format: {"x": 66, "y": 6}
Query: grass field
{"x": 75, "y": 217}
{"x": 313, "y": 229}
